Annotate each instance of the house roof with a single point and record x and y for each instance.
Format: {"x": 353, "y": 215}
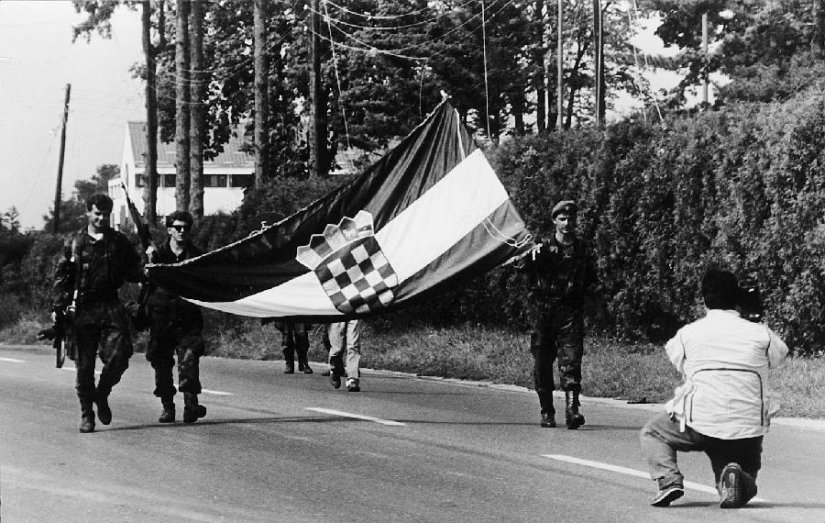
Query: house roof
{"x": 232, "y": 156}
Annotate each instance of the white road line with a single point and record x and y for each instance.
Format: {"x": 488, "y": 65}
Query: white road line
{"x": 216, "y": 392}
{"x": 357, "y": 416}
{"x": 73, "y": 369}
{"x": 630, "y": 472}
{"x": 11, "y": 360}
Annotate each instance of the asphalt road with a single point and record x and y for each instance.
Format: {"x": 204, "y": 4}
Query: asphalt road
{"x": 290, "y": 448}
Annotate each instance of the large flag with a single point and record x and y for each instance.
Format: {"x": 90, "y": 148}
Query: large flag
{"x": 429, "y": 213}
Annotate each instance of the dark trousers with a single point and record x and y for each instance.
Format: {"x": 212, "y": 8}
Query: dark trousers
{"x": 558, "y": 333}
{"x": 175, "y": 336}
{"x": 100, "y": 328}
{"x": 294, "y": 340}
{"x": 661, "y": 439}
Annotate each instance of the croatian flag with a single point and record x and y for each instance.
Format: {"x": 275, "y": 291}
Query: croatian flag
{"x": 430, "y": 213}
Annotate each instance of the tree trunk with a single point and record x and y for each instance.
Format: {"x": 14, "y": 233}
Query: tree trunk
{"x": 318, "y": 110}
{"x": 261, "y": 93}
{"x": 182, "y": 106}
{"x": 196, "y": 130}
{"x": 150, "y": 187}
{"x": 541, "y": 71}
{"x": 598, "y": 61}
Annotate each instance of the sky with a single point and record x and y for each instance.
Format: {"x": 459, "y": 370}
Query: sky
{"x": 37, "y": 60}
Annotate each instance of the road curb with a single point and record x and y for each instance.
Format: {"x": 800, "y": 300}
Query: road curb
{"x": 800, "y": 423}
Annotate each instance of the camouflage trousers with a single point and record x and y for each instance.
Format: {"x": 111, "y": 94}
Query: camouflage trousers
{"x": 172, "y": 336}
{"x": 100, "y": 328}
{"x": 558, "y": 334}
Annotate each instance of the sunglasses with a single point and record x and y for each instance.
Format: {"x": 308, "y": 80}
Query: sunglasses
{"x": 181, "y": 228}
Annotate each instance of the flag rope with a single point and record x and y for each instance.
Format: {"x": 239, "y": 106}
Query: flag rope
{"x": 496, "y": 234}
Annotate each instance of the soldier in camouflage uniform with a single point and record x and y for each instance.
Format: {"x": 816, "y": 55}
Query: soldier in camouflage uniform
{"x": 561, "y": 270}
{"x": 96, "y": 262}
{"x": 175, "y": 327}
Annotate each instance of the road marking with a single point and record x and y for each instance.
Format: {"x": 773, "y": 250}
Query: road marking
{"x": 11, "y": 360}
{"x": 357, "y": 416}
{"x": 73, "y": 369}
{"x": 216, "y": 392}
{"x": 630, "y": 472}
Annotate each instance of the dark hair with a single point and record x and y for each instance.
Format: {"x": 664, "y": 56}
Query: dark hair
{"x": 179, "y": 216}
{"x": 101, "y": 201}
{"x": 720, "y": 290}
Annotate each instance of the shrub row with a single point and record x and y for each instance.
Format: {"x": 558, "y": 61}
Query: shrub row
{"x": 743, "y": 186}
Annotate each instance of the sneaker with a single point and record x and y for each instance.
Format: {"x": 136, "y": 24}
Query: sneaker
{"x": 352, "y": 385}
{"x": 668, "y": 495}
{"x": 732, "y": 487}
{"x": 87, "y": 424}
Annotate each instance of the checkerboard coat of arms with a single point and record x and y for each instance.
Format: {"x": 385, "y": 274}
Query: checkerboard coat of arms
{"x": 350, "y": 265}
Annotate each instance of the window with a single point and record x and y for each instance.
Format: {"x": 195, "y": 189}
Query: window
{"x": 240, "y": 180}
{"x": 169, "y": 180}
{"x": 215, "y": 180}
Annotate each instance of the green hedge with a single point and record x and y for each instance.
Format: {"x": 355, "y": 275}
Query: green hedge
{"x": 743, "y": 186}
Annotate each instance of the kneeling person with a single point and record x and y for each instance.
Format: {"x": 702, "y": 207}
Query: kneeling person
{"x": 723, "y": 408}
{"x": 175, "y": 327}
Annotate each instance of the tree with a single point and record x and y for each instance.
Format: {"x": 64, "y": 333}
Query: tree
{"x": 261, "y": 91}
{"x": 182, "y": 67}
{"x": 99, "y": 20}
{"x": 769, "y": 50}
{"x": 10, "y": 221}
{"x": 197, "y": 77}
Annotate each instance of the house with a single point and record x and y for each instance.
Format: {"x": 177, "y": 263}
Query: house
{"x": 224, "y": 177}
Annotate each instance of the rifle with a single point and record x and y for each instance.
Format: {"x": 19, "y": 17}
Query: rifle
{"x": 139, "y": 315}
{"x": 61, "y": 330}
{"x": 61, "y": 336}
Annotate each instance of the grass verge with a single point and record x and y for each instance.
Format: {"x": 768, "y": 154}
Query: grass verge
{"x": 625, "y": 371}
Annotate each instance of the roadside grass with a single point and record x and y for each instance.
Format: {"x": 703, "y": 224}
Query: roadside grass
{"x": 633, "y": 372}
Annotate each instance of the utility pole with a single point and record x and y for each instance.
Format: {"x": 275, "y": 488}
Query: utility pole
{"x": 58, "y": 196}
{"x": 261, "y": 92}
{"x": 317, "y": 112}
{"x": 559, "y": 67}
{"x": 705, "y": 51}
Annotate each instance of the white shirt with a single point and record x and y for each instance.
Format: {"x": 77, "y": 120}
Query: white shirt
{"x": 725, "y": 360}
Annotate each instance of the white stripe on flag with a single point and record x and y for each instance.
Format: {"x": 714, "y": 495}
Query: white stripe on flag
{"x": 425, "y": 230}
{"x": 442, "y": 216}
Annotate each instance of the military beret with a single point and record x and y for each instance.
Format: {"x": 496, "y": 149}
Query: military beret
{"x": 564, "y": 206}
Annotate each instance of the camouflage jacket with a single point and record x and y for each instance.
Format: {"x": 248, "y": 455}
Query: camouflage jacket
{"x": 560, "y": 273}
{"x": 94, "y": 269}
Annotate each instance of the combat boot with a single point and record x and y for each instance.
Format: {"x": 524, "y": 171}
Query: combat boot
{"x": 87, "y": 417}
{"x": 548, "y": 418}
{"x": 168, "y": 414}
{"x": 303, "y": 366}
{"x": 104, "y": 413}
{"x": 289, "y": 367}
{"x": 192, "y": 411}
{"x": 571, "y": 410}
